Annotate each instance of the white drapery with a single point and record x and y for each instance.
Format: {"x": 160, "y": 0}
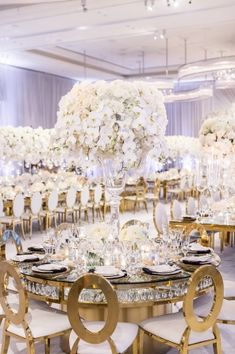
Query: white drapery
{"x": 30, "y": 98}
{"x": 185, "y": 118}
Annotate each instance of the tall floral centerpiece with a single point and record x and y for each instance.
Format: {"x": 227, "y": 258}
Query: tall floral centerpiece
{"x": 118, "y": 122}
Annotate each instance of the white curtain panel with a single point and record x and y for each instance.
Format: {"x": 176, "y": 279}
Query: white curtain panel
{"x": 185, "y": 118}
{"x": 30, "y": 98}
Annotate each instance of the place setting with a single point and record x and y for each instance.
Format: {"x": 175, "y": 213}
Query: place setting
{"x": 50, "y": 270}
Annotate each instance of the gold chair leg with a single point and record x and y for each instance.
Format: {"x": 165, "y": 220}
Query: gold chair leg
{"x": 30, "y": 346}
{"x": 135, "y": 346}
{"x": 47, "y": 345}
{"x": 141, "y": 341}
{"x": 217, "y": 346}
{"x": 22, "y": 229}
{"x": 31, "y": 228}
{"x": 5, "y": 344}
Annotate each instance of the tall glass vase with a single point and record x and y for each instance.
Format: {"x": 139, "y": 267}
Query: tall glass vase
{"x": 114, "y": 178}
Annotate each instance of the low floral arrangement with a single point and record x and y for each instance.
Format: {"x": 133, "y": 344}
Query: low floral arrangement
{"x": 218, "y": 132}
{"x": 134, "y": 234}
{"x": 120, "y": 118}
{"x": 98, "y": 232}
{"x": 180, "y": 146}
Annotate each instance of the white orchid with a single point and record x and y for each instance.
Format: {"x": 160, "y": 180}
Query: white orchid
{"x": 109, "y": 118}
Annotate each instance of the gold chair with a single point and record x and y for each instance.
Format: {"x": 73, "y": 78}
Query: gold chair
{"x": 9, "y": 235}
{"x": 155, "y": 196}
{"x": 138, "y": 198}
{"x": 64, "y": 211}
{"x": 135, "y": 222}
{"x": 50, "y": 211}
{"x": 160, "y": 218}
{"x": 34, "y": 212}
{"x": 184, "y": 330}
{"x": 99, "y": 337}
{"x": 17, "y": 213}
{"x": 178, "y": 192}
{"x": 62, "y": 227}
{"x": 205, "y": 240}
{"x": 28, "y": 323}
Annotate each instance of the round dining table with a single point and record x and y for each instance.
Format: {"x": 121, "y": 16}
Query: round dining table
{"x": 140, "y": 295}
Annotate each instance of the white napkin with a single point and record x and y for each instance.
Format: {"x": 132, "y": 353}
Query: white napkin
{"x": 50, "y": 267}
{"x": 197, "y": 247}
{"x": 193, "y": 259}
{"x": 107, "y": 271}
{"x": 27, "y": 257}
{"x": 164, "y": 268}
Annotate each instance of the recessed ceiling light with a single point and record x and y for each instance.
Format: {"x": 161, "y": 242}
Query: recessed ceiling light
{"x": 82, "y": 28}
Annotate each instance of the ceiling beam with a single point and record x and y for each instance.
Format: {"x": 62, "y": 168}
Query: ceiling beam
{"x": 74, "y": 62}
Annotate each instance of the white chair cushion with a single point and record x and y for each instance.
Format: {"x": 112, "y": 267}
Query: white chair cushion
{"x": 42, "y": 321}
{"x": 171, "y": 327}
{"x": 161, "y": 217}
{"x": 123, "y": 337}
{"x": 9, "y": 219}
{"x": 203, "y": 305}
{"x": 176, "y": 210}
{"x": 192, "y": 208}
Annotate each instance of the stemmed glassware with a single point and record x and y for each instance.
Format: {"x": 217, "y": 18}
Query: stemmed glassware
{"x": 49, "y": 243}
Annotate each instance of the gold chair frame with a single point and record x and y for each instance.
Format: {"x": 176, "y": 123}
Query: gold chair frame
{"x": 204, "y": 237}
{"x": 19, "y": 317}
{"x": 15, "y": 221}
{"x": 155, "y": 222}
{"x": 93, "y": 281}
{"x": 193, "y": 322}
{"x": 62, "y": 227}
{"x": 134, "y": 222}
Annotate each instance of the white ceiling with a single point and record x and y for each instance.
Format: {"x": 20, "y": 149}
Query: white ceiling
{"x": 53, "y": 35}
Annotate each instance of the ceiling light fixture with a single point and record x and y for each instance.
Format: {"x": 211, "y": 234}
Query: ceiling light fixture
{"x": 175, "y": 3}
{"x": 193, "y": 95}
{"x": 149, "y": 4}
{"x": 213, "y": 68}
{"x": 161, "y": 35}
{"x": 81, "y": 28}
{"x": 84, "y": 6}
{"x": 225, "y": 75}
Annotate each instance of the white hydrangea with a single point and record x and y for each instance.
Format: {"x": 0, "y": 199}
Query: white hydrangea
{"x": 180, "y": 146}
{"x": 218, "y": 132}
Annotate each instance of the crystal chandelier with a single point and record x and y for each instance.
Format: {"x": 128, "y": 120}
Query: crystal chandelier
{"x": 149, "y": 4}
{"x": 225, "y": 75}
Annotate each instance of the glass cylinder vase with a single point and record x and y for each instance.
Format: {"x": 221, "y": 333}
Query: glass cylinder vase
{"x": 114, "y": 178}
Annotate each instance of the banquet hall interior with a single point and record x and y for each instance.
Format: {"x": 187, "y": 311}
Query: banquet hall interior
{"x": 117, "y": 176}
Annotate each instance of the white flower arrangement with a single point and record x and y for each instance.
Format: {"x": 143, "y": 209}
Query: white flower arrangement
{"x": 111, "y": 118}
{"x": 100, "y": 231}
{"x": 218, "y": 132}
{"x": 133, "y": 233}
{"x": 25, "y": 144}
{"x": 180, "y": 146}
